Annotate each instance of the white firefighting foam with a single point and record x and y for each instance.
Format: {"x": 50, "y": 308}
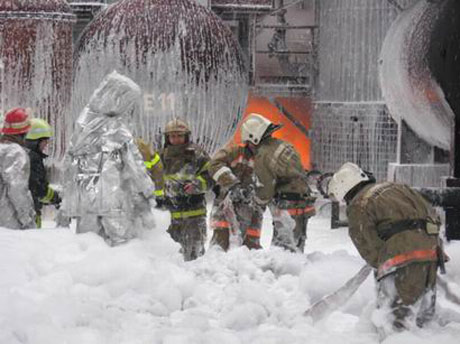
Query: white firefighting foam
{"x": 60, "y": 287}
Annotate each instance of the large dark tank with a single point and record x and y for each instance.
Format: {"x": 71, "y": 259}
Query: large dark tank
{"x": 36, "y": 60}
{"x": 182, "y": 55}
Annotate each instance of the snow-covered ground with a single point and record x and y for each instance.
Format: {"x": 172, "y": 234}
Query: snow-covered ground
{"x": 60, "y": 288}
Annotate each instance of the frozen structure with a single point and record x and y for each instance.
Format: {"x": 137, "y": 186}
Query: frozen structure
{"x": 85, "y": 10}
{"x": 420, "y": 66}
{"x": 380, "y": 98}
{"x": 277, "y": 38}
{"x": 186, "y": 61}
{"x": 351, "y": 121}
{"x": 413, "y": 94}
{"x": 242, "y": 4}
{"x": 409, "y": 123}
{"x": 36, "y": 56}
{"x": 410, "y": 91}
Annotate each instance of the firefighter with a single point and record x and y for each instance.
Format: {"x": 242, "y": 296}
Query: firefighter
{"x": 37, "y": 141}
{"x": 107, "y": 188}
{"x": 396, "y": 231}
{"x": 232, "y": 168}
{"x": 16, "y": 204}
{"x": 282, "y": 182}
{"x": 180, "y": 173}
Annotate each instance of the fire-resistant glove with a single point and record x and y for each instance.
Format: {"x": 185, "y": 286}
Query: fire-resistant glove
{"x": 239, "y": 194}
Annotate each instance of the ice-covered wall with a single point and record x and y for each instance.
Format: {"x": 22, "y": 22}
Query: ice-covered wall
{"x": 360, "y": 132}
{"x": 351, "y": 34}
{"x": 185, "y": 59}
{"x": 36, "y": 51}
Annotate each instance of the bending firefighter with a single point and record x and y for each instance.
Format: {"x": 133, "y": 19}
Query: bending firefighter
{"x": 396, "y": 231}
{"x": 282, "y": 183}
{"x": 236, "y": 217}
{"x": 16, "y": 204}
{"x": 37, "y": 140}
{"x": 180, "y": 173}
{"x": 107, "y": 188}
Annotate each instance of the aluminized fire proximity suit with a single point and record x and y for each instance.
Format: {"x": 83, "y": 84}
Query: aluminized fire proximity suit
{"x": 107, "y": 187}
{"x": 16, "y": 204}
{"x": 281, "y": 183}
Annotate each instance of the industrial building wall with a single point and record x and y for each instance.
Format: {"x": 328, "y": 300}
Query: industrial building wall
{"x": 351, "y": 34}
{"x": 361, "y": 132}
{"x": 351, "y": 121}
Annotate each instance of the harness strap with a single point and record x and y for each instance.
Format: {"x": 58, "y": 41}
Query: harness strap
{"x": 386, "y": 231}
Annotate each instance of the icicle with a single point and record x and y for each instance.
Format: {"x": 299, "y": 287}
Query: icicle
{"x": 185, "y": 60}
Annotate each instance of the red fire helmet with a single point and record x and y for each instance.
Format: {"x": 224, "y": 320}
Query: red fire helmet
{"x": 16, "y": 122}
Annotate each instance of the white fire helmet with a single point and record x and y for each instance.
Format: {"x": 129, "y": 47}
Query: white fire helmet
{"x": 345, "y": 179}
{"x": 254, "y": 128}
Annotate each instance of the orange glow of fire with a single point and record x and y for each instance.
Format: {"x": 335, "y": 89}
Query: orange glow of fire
{"x": 300, "y": 111}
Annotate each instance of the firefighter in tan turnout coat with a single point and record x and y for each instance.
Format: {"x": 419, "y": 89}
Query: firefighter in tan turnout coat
{"x": 396, "y": 231}
{"x": 232, "y": 168}
{"x": 281, "y": 182}
{"x": 181, "y": 178}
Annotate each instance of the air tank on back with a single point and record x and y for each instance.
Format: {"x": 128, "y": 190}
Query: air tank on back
{"x": 185, "y": 59}
{"x": 36, "y": 60}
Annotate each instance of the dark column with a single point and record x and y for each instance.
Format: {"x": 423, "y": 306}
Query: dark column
{"x": 453, "y": 212}
{"x": 443, "y": 58}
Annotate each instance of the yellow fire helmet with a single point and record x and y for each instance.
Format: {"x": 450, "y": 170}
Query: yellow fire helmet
{"x": 39, "y": 129}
